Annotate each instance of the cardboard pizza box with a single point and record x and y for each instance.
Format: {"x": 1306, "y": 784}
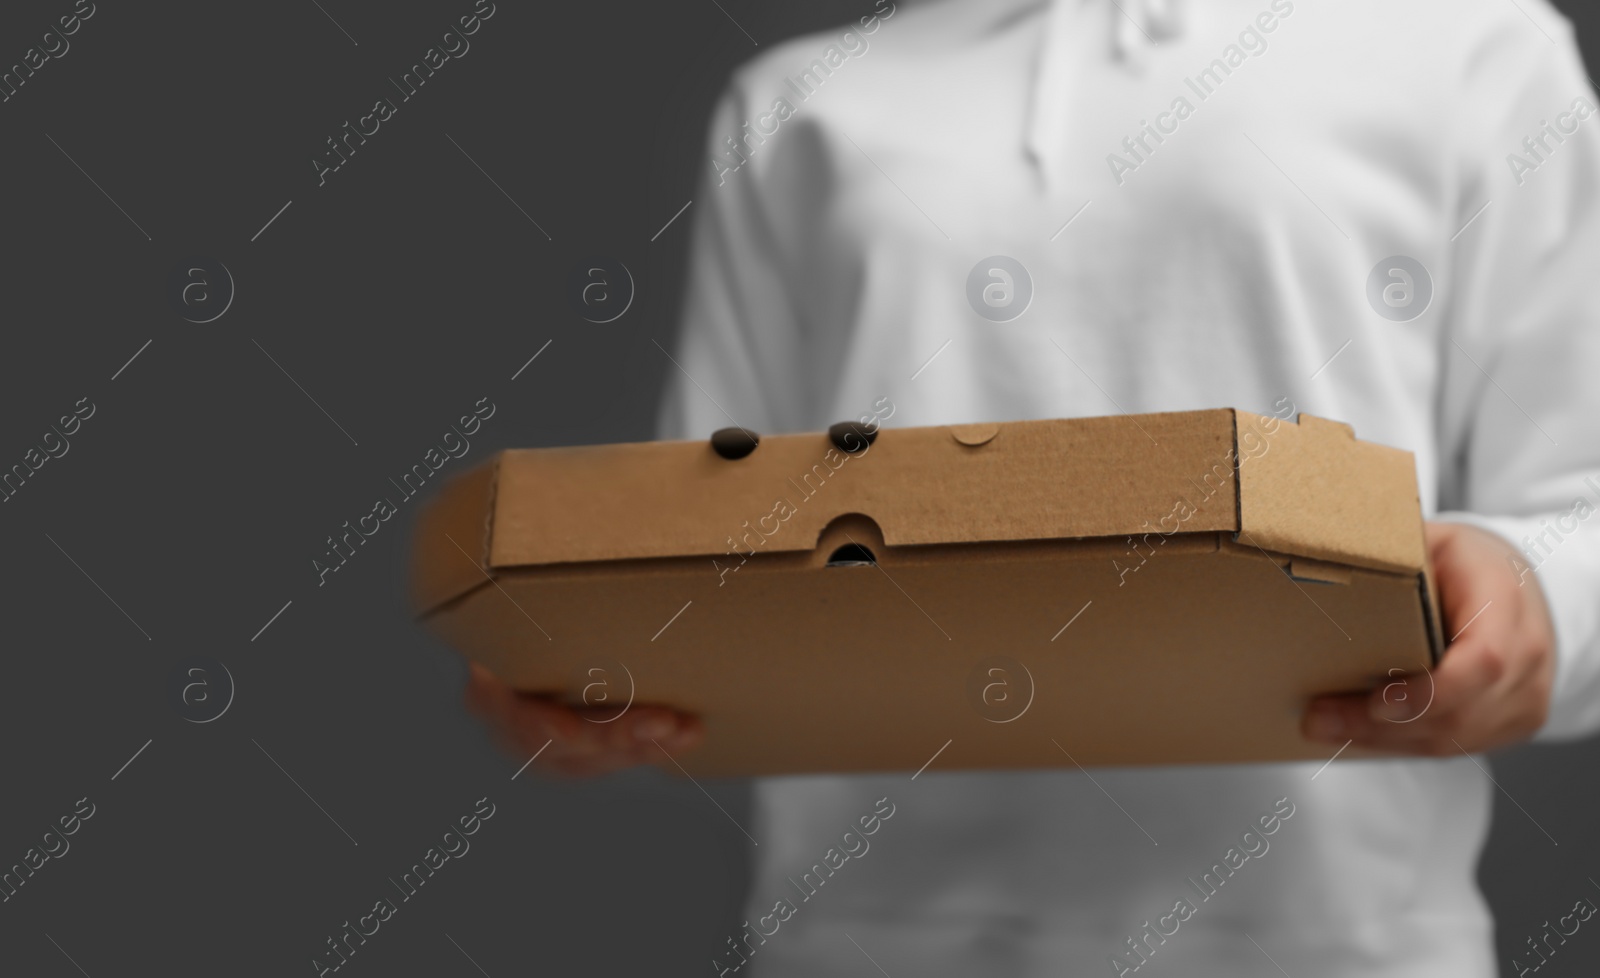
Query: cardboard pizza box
{"x": 1142, "y": 589}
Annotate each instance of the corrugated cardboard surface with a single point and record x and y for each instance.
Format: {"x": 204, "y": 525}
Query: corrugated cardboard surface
{"x": 1318, "y": 492}
{"x": 986, "y": 548}
{"x": 1033, "y": 480}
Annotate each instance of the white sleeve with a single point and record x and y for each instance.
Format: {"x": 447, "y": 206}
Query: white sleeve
{"x": 1519, "y": 411}
{"x": 739, "y": 353}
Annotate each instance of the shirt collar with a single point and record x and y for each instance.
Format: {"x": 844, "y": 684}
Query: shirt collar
{"x": 1079, "y": 34}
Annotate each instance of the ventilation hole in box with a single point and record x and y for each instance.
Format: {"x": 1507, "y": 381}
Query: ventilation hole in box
{"x": 852, "y": 555}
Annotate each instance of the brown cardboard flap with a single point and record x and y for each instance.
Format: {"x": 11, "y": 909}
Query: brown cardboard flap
{"x": 1318, "y": 571}
{"x": 1033, "y": 480}
{"x": 451, "y": 541}
{"x": 1315, "y": 491}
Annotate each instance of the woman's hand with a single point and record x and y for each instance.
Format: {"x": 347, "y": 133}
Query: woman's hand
{"x": 1491, "y": 688}
{"x": 574, "y": 741}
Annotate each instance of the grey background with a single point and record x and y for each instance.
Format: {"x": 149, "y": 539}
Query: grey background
{"x": 396, "y": 295}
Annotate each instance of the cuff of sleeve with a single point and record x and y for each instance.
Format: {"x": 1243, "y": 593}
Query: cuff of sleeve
{"x": 1566, "y": 565}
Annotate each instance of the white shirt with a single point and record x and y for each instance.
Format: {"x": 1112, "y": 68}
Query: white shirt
{"x": 1228, "y": 267}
